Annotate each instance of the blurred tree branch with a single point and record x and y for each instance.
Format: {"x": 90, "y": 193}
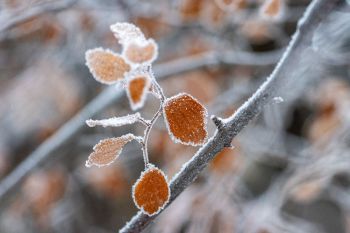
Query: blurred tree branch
{"x": 230, "y": 127}
{"x": 23, "y": 16}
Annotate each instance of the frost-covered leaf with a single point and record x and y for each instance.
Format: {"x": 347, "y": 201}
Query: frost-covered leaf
{"x": 151, "y": 191}
{"x": 125, "y": 32}
{"x": 272, "y": 8}
{"x": 106, "y": 66}
{"x": 186, "y": 119}
{"x": 115, "y": 121}
{"x": 141, "y": 52}
{"x": 136, "y": 89}
{"x": 108, "y": 150}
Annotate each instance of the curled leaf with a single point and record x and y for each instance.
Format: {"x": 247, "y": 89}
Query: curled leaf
{"x": 151, "y": 191}
{"x": 140, "y": 52}
{"x": 136, "y": 89}
{"x": 106, "y": 66}
{"x": 186, "y": 119}
{"x": 108, "y": 150}
{"x": 125, "y": 32}
{"x": 115, "y": 121}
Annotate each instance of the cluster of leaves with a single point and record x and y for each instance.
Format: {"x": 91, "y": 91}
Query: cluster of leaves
{"x": 185, "y": 117}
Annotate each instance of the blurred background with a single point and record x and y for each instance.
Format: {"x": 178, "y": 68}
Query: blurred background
{"x": 289, "y": 170}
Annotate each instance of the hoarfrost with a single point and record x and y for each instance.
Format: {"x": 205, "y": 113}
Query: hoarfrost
{"x": 115, "y": 121}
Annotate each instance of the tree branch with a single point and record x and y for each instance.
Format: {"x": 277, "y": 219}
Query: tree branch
{"x": 315, "y": 13}
{"x": 109, "y": 96}
{"x": 35, "y": 11}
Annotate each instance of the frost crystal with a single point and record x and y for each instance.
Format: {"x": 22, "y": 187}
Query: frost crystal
{"x": 278, "y": 99}
{"x": 136, "y": 88}
{"x": 125, "y": 32}
{"x": 108, "y": 150}
{"x": 141, "y": 52}
{"x": 151, "y": 191}
{"x": 186, "y": 119}
{"x": 115, "y": 121}
{"x": 106, "y": 66}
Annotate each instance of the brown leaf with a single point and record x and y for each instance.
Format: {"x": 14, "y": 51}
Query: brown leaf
{"x": 106, "y": 66}
{"x": 136, "y": 90}
{"x": 272, "y": 8}
{"x": 108, "y": 150}
{"x": 186, "y": 119}
{"x": 138, "y": 52}
{"x": 151, "y": 191}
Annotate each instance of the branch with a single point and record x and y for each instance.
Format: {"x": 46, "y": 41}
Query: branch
{"x": 98, "y": 104}
{"x": 315, "y": 13}
{"x": 34, "y": 12}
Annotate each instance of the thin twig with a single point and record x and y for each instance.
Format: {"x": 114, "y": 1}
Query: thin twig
{"x": 315, "y": 13}
{"x": 98, "y": 104}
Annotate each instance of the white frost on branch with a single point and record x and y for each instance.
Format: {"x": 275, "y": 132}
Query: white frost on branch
{"x": 278, "y": 99}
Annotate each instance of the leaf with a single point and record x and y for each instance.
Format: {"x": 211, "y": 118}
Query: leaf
{"x": 136, "y": 89}
{"x": 125, "y": 32}
{"x": 141, "y": 52}
{"x": 272, "y": 8}
{"x": 151, "y": 191}
{"x": 108, "y": 150}
{"x": 115, "y": 121}
{"x": 186, "y": 119}
{"x": 106, "y": 66}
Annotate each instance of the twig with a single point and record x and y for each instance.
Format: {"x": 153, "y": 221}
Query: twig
{"x": 34, "y": 12}
{"x": 102, "y": 101}
{"x": 317, "y": 10}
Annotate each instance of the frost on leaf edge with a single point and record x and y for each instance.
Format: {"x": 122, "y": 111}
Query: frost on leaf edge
{"x": 128, "y": 136}
{"x": 149, "y": 167}
{"x": 140, "y": 43}
{"x": 172, "y": 136}
{"x": 128, "y": 120}
{"x": 94, "y": 75}
{"x": 123, "y": 36}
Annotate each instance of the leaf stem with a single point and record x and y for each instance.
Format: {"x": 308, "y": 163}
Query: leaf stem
{"x": 149, "y": 124}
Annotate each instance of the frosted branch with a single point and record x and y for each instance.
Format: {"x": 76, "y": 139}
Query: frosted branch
{"x": 315, "y": 13}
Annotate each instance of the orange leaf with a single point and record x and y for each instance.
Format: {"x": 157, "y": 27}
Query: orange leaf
{"x": 186, "y": 119}
{"x": 108, "y": 150}
{"x": 136, "y": 90}
{"x": 106, "y": 66}
{"x": 151, "y": 191}
{"x": 139, "y": 52}
{"x": 272, "y": 8}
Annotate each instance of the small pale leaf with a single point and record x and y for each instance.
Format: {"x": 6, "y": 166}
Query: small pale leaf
{"x": 115, "y": 121}
{"x": 141, "y": 52}
{"x": 136, "y": 89}
{"x": 108, "y": 150}
{"x": 186, "y": 119}
{"x": 125, "y": 32}
{"x": 151, "y": 191}
{"x": 106, "y": 66}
